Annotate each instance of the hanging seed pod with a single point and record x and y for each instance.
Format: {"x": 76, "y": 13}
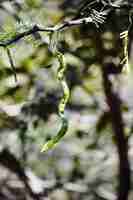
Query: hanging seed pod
{"x": 124, "y": 61}
{"x": 61, "y": 108}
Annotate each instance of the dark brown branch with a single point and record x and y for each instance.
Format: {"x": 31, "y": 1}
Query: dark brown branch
{"x": 115, "y": 110}
{"x": 114, "y": 104}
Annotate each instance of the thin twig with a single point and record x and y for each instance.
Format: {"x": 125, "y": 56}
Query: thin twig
{"x": 37, "y": 28}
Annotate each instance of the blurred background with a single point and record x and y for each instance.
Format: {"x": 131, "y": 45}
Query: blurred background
{"x": 84, "y": 165}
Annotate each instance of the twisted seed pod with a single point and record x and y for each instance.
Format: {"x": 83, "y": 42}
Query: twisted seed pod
{"x": 61, "y": 108}
{"x": 125, "y": 39}
{"x": 124, "y": 61}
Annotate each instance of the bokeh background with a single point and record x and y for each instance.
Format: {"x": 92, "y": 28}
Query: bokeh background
{"x": 84, "y": 165}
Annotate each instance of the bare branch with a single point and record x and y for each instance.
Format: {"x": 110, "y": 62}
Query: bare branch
{"x": 97, "y": 18}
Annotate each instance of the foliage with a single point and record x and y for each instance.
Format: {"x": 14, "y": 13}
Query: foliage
{"x": 84, "y": 164}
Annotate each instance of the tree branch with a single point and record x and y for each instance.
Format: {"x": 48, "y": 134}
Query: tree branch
{"x": 37, "y": 28}
{"x": 114, "y": 104}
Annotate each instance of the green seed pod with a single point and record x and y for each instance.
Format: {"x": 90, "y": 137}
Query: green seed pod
{"x": 124, "y": 61}
{"x": 61, "y": 108}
